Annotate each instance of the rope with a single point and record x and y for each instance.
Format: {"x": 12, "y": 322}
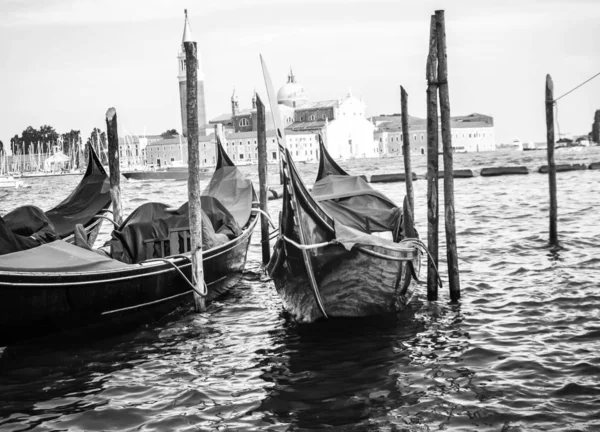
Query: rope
{"x": 203, "y": 292}
{"x": 420, "y": 243}
{"x": 265, "y": 214}
{"x": 572, "y": 90}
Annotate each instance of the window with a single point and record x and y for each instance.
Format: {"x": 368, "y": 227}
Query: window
{"x": 312, "y": 118}
{"x": 244, "y": 122}
{"x": 421, "y": 137}
{"x": 242, "y": 156}
{"x": 415, "y": 137}
{"x": 401, "y": 138}
{"x": 274, "y": 154}
{"x": 289, "y": 120}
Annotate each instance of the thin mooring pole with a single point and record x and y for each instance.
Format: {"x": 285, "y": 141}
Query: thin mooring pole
{"x": 433, "y": 211}
{"x": 195, "y": 205}
{"x": 451, "y": 248}
{"x": 113, "y": 164}
{"x": 551, "y": 163}
{"x": 263, "y": 178}
{"x": 406, "y": 149}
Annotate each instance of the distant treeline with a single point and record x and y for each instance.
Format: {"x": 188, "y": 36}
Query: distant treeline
{"x": 43, "y": 140}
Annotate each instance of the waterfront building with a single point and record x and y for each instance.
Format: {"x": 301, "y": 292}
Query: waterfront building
{"x": 346, "y": 132}
{"x": 471, "y": 133}
{"x": 132, "y": 150}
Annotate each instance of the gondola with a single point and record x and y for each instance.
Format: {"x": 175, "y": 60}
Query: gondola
{"x": 60, "y": 287}
{"x": 328, "y": 264}
{"x": 86, "y": 205}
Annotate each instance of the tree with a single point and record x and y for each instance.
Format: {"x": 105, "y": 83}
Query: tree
{"x": 170, "y": 133}
{"x": 1, "y": 146}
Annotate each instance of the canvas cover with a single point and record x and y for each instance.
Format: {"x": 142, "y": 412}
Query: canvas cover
{"x": 231, "y": 187}
{"x": 351, "y": 201}
{"x": 57, "y": 257}
{"x": 86, "y": 201}
{"x": 153, "y": 221}
{"x": 24, "y": 228}
{"x": 11, "y": 242}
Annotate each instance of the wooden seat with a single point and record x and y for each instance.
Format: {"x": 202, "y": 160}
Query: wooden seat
{"x": 174, "y": 242}
{"x": 149, "y": 246}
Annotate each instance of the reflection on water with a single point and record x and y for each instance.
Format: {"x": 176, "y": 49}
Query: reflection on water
{"x": 520, "y": 352}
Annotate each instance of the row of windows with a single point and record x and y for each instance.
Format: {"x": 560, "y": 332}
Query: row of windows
{"x": 457, "y": 135}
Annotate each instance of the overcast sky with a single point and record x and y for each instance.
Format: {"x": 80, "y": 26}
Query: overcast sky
{"x": 64, "y": 63}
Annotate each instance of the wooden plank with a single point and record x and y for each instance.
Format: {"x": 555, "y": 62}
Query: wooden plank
{"x": 113, "y": 164}
{"x": 263, "y": 178}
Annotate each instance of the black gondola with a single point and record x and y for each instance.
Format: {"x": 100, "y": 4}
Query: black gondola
{"x": 326, "y": 261}
{"x": 59, "y": 286}
{"x": 86, "y": 205}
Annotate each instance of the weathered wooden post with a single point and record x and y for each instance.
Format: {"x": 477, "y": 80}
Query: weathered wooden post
{"x": 432, "y": 165}
{"x": 263, "y": 178}
{"x": 551, "y": 163}
{"x": 451, "y": 248}
{"x": 194, "y": 191}
{"x": 406, "y": 149}
{"x": 113, "y": 164}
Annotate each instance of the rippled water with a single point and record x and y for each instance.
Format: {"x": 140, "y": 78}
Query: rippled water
{"x": 520, "y": 352}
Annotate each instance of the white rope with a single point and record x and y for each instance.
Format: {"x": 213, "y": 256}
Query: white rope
{"x": 202, "y": 292}
{"x": 420, "y": 243}
{"x": 265, "y": 214}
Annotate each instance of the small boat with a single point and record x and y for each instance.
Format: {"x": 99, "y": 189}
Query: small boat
{"x": 327, "y": 263}
{"x": 9, "y": 182}
{"x": 61, "y": 287}
{"x": 87, "y": 205}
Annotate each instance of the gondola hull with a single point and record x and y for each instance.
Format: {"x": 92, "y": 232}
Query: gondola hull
{"x": 37, "y": 305}
{"x": 351, "y": 283}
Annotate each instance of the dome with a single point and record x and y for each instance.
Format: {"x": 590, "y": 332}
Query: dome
{"x": 291, "y": 93}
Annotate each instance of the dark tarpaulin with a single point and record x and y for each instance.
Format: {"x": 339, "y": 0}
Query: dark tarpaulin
{"x": 231, "y": 187}
{"x": 57, "y": 257}
{"x": 87, "y": 200}
{"x": 351, "y": 201}
{"x": 31, "y": 221}
{"x": 152, "y": 221}
{"x": 11, "y": 242}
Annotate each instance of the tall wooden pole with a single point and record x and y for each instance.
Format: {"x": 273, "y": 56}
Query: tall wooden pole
{"x": 451, "y": 248}
{"x": 263, "y": 176}
{"x": 113, "y": 164}
{"x": 406, "y": 149}
{"x": 433, "y": 212}
{"x": 194, "y": 191}
{"x": 551, "y": 163}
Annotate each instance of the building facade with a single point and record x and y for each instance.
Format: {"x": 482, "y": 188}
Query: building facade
{"x": 346, "y": 132}
{"x": 471, "y": 133}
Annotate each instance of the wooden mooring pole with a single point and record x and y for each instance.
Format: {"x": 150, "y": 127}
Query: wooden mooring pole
{"x": 551, "y": 163}
{"x": 451, "y": 248}
{"x": 112, "y": 135}
{"x": 406, "y": 149}
{"x": 194, "y": 191}
{"x": 263, "y": 178}
{"x": 432, "y": 165}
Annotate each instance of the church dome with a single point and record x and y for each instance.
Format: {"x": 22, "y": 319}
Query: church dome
{"x": 291, "y": 93}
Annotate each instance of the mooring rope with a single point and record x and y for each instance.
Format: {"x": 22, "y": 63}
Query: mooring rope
{"x": 575, "y": 88}
{"x": 265, "y": 214}
{"x": 203, "y": 292}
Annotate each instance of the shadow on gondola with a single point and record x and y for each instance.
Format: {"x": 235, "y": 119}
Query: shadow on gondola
{"x": 339, "y": 374}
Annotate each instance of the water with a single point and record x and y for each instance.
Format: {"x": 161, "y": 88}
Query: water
{"x": 521, "y": 352}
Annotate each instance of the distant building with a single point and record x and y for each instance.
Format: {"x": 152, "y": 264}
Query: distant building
{"x": 132, "y": 150}
{"x": 345, "y": 130}
{"x": 471, "y": 133}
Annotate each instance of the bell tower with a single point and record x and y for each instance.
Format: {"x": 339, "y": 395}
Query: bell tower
{"x": 187, "y": 37}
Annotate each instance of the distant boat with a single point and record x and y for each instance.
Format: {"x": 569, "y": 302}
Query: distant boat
{"x": 9, "y": 182}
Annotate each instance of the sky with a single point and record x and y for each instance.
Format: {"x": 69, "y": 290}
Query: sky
{"x": 64, "y": 63}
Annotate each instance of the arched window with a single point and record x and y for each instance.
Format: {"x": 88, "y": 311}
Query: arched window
{"x": 289, "y": 120}
{"x": 421, "y": 137}
{"x": 244, "y": 122}
{"x": 312, "y": 118}
{"x": 415, "y": 137}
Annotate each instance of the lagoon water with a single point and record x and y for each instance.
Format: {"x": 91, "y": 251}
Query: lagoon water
{"x": 520, "y": 352}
